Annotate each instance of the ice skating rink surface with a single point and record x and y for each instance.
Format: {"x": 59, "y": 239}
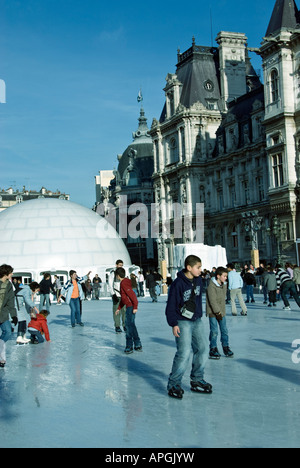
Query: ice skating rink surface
{"x": 81, "y": 390}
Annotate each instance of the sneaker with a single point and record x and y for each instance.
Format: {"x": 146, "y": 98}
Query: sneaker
{"x": 244, "y": 313}
{"x": 227, "y": 351}
{"x": 270, "y": 305}
{"x": 287, "y": 308}
{"x": 252, "y": 300}
{"x": 138, "y": 348}
{"x": 128, "y": 350}
{"x": 118, "y": 330}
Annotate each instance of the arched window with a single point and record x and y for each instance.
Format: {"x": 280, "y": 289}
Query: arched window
{"x": 173, "y": 151}
{"x": 274, "y": 80}
{"x": 131, "y": 178}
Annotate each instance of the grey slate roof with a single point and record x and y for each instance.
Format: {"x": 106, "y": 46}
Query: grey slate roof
{"x": 285, "y": 16}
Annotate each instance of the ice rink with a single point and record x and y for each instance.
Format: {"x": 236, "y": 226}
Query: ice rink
{"x": 81, "y": 390}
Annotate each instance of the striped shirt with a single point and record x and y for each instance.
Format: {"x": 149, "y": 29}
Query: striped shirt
{"x": 282, "y": 276}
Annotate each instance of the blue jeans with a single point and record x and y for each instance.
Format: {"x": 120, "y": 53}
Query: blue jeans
{"x": 75, "y": 311}
{"x": 5, "y": 327}
{"x": 249, "y": 291}
{"x": 132, "y": 336}
{"x": 44, "y": 298}
{"x": 192, "y": 336}
{"x": 213, "y": 336}
{"x": 289, "y": 287}
{"x": 36, "y": 335}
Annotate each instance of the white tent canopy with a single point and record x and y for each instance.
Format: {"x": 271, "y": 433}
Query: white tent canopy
{"x": 210, "y": 256}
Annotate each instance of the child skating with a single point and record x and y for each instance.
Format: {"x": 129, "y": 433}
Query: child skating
{"x": 216, "y": 311}
{"x": 129, "y": 299}
{"x": 184, "y": 315}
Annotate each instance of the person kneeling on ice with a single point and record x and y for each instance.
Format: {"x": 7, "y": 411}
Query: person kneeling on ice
{"x": 129, "y": 299}
{"x": 39, "y": 327}
{"x": 216, "y": 311}
{"x": 184, "y": 315}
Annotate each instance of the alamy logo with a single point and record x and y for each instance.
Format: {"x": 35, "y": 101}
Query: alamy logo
{"x": 139, "y": 221}
{"x": 2, "y": 92}
{"x": 296, "y": 353}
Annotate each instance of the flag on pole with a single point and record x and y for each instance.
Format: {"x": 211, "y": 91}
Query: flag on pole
{"x": 140, "y": 96}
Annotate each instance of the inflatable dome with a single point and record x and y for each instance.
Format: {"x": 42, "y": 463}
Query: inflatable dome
{"x": 55, "y": 236}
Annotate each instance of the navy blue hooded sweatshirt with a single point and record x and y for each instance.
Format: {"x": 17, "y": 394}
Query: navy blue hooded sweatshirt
{"x": 179, "y": 293}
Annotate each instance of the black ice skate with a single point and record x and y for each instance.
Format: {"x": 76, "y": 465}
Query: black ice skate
{"x": 201, "y": 387}
{"x": 214, "y": 353}
{"x": 176, "y": 392}
{"x": 228, "y": 352}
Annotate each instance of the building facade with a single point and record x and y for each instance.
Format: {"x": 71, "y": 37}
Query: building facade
{"x": 128, "y": 193}
{"x": 229, "y": 142}
{"x": 11, "y": 197}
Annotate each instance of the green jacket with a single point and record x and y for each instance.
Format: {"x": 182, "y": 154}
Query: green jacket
{"x": 7, "y": 301}
{"x": 215, "y": 299}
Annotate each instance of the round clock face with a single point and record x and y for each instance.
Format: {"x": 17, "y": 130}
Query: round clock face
{"x": 208, "y": 85}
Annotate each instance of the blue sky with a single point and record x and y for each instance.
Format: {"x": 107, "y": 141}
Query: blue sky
{"x": 73, "y": 70}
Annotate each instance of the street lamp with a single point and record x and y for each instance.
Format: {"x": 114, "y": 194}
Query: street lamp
{"x": 278, "y": 231}
{"x": 252, "y": 224}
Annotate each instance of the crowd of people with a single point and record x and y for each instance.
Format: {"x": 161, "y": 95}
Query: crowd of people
{"x": 183, "y": 310}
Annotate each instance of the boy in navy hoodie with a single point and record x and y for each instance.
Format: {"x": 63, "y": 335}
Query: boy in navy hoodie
{"x": 184, "y": 313}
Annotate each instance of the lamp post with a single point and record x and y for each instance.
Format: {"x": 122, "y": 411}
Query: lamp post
{"x": 162, "y": 262}
{"x": 252, "y": 224}
{"x": 278, "y": 231}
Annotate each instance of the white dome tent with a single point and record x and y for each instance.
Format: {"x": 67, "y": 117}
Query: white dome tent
{"x": 55, "y": 236}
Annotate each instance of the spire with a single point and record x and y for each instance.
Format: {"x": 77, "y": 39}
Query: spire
{"x": 285, "y": 16}
{"x": 143, "y": 131}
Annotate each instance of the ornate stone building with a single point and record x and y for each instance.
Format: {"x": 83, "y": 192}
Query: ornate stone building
{"x": 227, "y": 141}
{"x": 131, "y": 185}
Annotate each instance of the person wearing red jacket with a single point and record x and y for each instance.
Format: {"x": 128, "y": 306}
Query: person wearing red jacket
{"x": 39, "y": 327}
{"x": 129, "y": 299}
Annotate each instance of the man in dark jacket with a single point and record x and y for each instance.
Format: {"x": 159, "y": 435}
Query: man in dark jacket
{"x": 151, "y": 285}
{"x": 45, "y": 287}
{"x": 184, "y": 313}
{"x": 7, "y": 309}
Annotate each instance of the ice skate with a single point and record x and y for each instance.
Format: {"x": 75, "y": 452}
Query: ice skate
{"x": 201, "y": 387}
{"x": 20, "y": 341}
{"x": 214, "y": 354}
{"x": 228, "y": 352}
{"x": 176, "y": 392}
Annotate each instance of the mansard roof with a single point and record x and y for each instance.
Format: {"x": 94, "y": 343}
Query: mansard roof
{"x": 285, "y": 16}
{"x": 197, "y": 70}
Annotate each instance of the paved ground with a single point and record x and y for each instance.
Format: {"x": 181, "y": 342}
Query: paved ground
{"x": 80, "y": 390}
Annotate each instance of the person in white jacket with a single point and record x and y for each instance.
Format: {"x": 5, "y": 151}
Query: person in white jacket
{"x": 73, "y": 294}
{"x": 235, "y": 284}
